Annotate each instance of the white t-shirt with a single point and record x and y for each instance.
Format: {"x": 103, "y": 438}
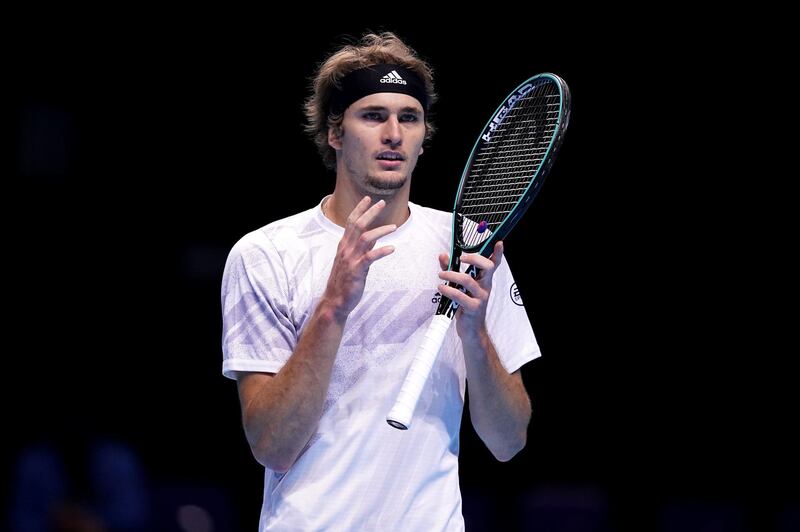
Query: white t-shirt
{"x": 357, "y": 472}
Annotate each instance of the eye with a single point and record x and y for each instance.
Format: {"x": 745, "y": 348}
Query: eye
{"x": 373, "y": 115}
{"x": 409, "y": 117}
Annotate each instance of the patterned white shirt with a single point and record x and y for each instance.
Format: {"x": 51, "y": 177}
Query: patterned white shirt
{"x": 357, "y": 472}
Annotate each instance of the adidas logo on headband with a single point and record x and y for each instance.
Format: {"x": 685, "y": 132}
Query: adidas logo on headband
{"x": 377, "y": 78}
{"x": 393, "y": 77}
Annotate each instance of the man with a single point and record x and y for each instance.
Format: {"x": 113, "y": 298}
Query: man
{"x": 323, "y": 311}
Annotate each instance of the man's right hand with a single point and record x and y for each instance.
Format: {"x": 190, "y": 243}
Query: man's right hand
{"x": 354, "y": 256}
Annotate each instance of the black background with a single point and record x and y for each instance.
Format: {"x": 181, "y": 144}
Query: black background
{"x": 144, "y": 146}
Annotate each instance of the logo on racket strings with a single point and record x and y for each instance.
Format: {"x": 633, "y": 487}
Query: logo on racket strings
{"x": 504, "y": 110}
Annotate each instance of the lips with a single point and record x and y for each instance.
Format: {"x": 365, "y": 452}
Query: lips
{"x": 391, "y": 156}
{"x": 390, "y": 164}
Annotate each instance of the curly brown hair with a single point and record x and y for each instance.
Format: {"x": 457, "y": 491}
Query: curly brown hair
{"x": 372, "y": 49}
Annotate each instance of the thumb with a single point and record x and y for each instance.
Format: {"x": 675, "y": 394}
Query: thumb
{"x": 444, "y": 260}
{"x": 497, "y": 256}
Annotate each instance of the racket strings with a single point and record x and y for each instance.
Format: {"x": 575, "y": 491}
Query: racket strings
{"x": 502, "y": 171}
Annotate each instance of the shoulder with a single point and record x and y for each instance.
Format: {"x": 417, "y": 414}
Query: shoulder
{"x": 292, "y": 229}
{"x": 277, "y": 236}
{"x": 430, "y": 216}
{"x": 268, "y": 247}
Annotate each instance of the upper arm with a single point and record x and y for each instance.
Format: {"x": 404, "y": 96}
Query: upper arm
{"x": 259, "y": 333}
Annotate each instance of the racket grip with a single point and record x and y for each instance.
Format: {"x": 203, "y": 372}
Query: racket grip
{"x": 400, "y": 415}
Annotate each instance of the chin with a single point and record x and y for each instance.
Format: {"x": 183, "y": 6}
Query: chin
{"x": 385, "y": 184}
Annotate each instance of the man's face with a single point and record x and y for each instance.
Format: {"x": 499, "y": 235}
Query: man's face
{"x": 381, "y": 138}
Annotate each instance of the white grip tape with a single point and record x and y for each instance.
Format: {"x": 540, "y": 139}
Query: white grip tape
{"x": 400, "y": 414}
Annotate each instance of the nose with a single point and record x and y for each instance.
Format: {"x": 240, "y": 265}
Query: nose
{"x": 392, "y": 134}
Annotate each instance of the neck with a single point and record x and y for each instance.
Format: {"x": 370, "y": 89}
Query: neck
{"x": 340, "y": 204}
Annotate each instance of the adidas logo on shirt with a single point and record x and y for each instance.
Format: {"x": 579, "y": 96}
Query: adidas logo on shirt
{"x": 393, "y": 77}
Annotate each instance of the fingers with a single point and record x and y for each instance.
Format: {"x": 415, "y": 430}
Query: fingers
{"x": 477, "y": 260}
{"x": 497, "y": 256}
{"x": 373, "y": 235}
{"x": 357, "y": 232}
{"x": 361, "y": 208}
{"x": 485, "y": 266}
{"x": 363, "y": 215}
{"x": 359, "y": 238}
{"x": 465, "y": 280}
{"x": 367, "y": 241}
{"x": 476, "y": 288}
{"x": 375, "y": 254}
{"x": 465, "y": 301}
{"x": 444, "y": 260}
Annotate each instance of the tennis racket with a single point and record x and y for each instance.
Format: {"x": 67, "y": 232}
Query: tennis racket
{"x": 504, "y": 172}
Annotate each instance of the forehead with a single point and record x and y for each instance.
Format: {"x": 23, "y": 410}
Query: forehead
{"x": 389, "y": 100}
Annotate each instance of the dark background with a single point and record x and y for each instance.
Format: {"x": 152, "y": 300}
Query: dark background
{"x": 143, "y": 147}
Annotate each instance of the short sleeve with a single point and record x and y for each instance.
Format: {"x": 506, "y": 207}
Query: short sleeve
{"x": 258, "y": 333}
{"x": 508, "y": 323}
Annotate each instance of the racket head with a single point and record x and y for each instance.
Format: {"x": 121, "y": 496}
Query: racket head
{"x": 509, "y": 162}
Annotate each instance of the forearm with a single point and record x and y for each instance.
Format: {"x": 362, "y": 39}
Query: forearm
{"x": 282, "y": 411}
{"x": 498, "y": 403}
{"x": 281, "y": 415}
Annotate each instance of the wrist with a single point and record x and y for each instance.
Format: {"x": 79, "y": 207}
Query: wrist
{"x": 474, "y": 336}
{"x": 330, "y": 311}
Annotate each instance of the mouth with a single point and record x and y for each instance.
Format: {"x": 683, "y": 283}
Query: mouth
{"x": 390, "y": 160}
{"x": 391, "y": 156}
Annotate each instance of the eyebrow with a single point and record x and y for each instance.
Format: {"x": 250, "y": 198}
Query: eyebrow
{"x": 406, "y": 109}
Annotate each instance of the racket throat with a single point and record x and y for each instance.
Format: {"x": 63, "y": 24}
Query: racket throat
{"x": 447, "y": 306}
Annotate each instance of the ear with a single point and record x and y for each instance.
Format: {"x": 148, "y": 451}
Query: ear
{"x": 335, "y": 138}
{"x": 421, "y": 150}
